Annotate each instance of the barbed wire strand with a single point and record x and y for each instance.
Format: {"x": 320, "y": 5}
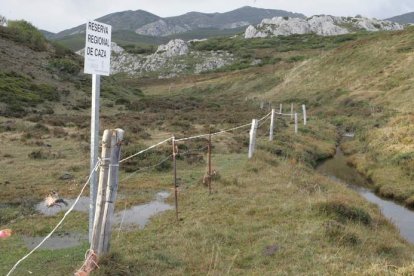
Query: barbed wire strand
{"x": 142, "y": 169}
{"x": 144, "y": 150}
{"x": 60, "y": 222}
{"x": 219, "y": 132}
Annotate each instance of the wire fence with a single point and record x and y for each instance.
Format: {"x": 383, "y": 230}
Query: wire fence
{"x": 262, "y": 121}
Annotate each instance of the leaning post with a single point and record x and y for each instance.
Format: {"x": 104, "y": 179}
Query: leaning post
{"x": 111, "y": 190}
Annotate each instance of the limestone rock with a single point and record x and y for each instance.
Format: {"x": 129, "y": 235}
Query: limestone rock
{"x": 161, "y": 28}
{"x": 325, "y": 25}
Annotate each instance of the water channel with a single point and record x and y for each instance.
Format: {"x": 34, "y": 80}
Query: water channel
{"x": 338, "y": 169}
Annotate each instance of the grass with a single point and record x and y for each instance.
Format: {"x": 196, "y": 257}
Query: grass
{"x": 365, "y": 87}
{"x": 256, "y": 206}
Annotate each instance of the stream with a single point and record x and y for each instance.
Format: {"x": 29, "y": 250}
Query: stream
{"x": 337, "y": 169}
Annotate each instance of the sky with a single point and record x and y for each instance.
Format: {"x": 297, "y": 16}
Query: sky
{"x": 58, "y": 15}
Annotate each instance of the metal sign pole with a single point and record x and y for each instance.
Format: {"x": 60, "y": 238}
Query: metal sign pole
{"x": 93, "y": 184}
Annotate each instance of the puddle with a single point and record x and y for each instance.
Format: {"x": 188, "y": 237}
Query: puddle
{"x": 136, "y": 216}
{"x": 339, "y": 170}
{"x": 139, "y": 215}
{"x": 81, "y": 206}
{"x": 60, "y": 241}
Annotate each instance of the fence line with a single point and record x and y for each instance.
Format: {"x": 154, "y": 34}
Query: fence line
{"x": 59, "y": 223}
{"x": 219, "y": 132}
{"x": 265, "y": 118}
{"x": 142, "y": 169}
{"x": 144, "y": 150}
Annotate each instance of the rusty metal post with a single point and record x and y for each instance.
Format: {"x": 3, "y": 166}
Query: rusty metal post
{"x": 209, "y": 163}
{"x": 175, "y": 149}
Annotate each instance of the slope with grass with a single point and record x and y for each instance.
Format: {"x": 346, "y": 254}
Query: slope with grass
{"x": 365, "y": 86}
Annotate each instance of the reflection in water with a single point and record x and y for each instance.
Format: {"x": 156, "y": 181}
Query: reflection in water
{"x": 137, "y": 215}
{"x": 81, "y": 206}
{"x": 140, "y": 214}
{"x": 339, "y": 170}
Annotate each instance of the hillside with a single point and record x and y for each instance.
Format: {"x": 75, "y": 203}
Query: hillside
{"x": 366, "y": 87}
{"x": 272, "y": 214}
{"x": 406, "y": 18}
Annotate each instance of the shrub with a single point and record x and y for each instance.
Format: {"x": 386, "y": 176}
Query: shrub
{"x": 64, "y": 65}
{"x": 25, "y": 33}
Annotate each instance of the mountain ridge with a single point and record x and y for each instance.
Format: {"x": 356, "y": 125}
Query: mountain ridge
{"x": 405, "y": 18}
{"x": 133, "y": 20}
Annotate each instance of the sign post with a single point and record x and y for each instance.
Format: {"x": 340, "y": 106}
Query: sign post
{"x": 97, "y": 63}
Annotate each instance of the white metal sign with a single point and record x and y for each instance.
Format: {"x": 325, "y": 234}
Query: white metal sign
{"x": 97, "y": 48}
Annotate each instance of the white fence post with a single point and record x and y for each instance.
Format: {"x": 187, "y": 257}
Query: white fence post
{"x": 111, "y": 190}
{"x": 281, "y": 108}
{"x": 291, "y": 111}
{"x": 296, "y": 122}
{"x": 107, "y": 190}
{"x": 272, "y": 124}
{"x": 304, "y": 114}
{"x": 252, "y": 143}
{"x": 100, "y": 198}
{"x": 261, "y": 104}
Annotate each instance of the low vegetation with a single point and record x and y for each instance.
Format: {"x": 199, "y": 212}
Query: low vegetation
{"x": 24, "y": 32}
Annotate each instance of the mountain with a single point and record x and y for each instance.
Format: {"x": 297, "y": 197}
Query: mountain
{"x": 403, "y": 18}
{"x": 126, "y": 20}
{"x": 196, "y": 20}
{"x": 47, "y": 34}
{"x": 325, "y": 25}
{"x": 191, "y": 25}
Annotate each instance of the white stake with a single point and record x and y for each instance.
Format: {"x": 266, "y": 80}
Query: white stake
{"x": 252, "y": 138}
{"x": 296, "y": 122}
{"x": 280, "y": 108}
{"x": 304, "y": 114}
{"x": 291, "y": 111}
{"x": 96, "y": 89}
{"x": 103, "y": 182}
{"x": 272, "y": 124}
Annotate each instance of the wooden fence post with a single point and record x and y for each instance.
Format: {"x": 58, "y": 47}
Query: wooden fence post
{"x": 272, "y": 124}
{"x": 252, "y": 143}
{"x": 111, "y": 190}
{"x": 296, "y": 122}
{"x": 291, "y": 111}
{"x": 209, "y": 164}
{"x": 175, "y": 149}
{"x": 103, "y": 182}
{"x": 304, "y": 114}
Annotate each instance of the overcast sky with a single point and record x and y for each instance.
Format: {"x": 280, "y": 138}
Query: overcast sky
{"x": 58, "y": 15}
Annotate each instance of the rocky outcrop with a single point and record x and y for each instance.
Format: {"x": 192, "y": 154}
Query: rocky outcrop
{"x": 175, "y": 47}
{"x": 170, "y": 60}
{"x": 324, "y": 25}
{"x": 161, "y": 28}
